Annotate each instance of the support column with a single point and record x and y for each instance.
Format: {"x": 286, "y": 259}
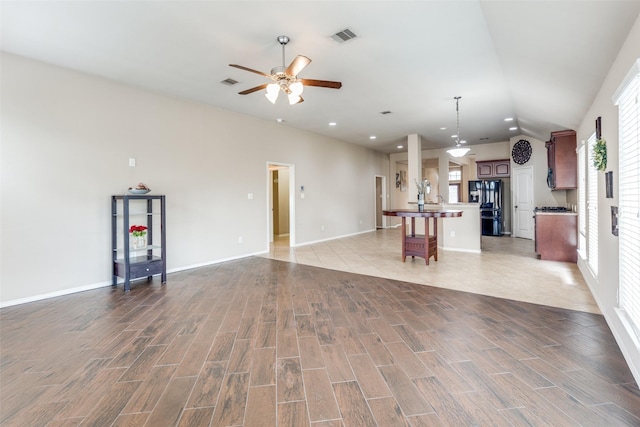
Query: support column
{"x": 414, "y": 152}
{"x": 443, "y": 176}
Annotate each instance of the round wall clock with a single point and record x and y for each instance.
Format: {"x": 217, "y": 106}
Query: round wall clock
{"x": 521, "y": 152}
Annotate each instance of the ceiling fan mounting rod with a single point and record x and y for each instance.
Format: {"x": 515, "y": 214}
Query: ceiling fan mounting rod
{"x": 283, "y": 40}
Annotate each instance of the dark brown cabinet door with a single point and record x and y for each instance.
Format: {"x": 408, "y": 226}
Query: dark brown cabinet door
{"x": 501, "y": 168}
{"x": 485, "y": 169}
{"x": 562, "y": 160}
{"x": 557, "y": 236}
{"x": 493, "y": 169}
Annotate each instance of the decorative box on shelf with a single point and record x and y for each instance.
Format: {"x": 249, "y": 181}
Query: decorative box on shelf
{"x": 135, "y": 252}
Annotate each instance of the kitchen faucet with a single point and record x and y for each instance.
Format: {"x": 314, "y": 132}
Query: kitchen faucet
{"x": 439, "y": 197}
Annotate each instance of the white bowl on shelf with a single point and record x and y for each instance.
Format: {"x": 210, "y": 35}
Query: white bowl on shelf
{"x": 138, "y": 191}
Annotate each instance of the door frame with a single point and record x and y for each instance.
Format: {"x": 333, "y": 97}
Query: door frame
{"x": 292, "y": 200}
{"x": 383, "y": 197}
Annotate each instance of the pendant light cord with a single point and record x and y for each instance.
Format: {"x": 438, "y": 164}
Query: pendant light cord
{"x": 457, "y": 98}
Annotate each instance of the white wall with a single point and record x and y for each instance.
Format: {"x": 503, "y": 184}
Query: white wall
{"x": 492, "y": 151}
{"x": 66, "y": 141}
{"x": 605, "y": 286}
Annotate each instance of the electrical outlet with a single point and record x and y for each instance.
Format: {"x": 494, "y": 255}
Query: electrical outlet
{"x": 240, "y": 239}
{"x": 132, "y": 162}
{"x": 360, "y": 222}
{"x": 322, "y": 228}
{"x": 453, "y": 233}
{"x": 250, "y": 196}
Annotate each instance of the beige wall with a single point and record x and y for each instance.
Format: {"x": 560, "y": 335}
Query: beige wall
{"x": 66, "y": 141}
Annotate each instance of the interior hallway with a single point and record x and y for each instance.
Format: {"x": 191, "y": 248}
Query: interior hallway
{"x": 506, "y": 268}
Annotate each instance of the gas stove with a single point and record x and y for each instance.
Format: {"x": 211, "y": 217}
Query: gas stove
{"x": 551, "y": 209}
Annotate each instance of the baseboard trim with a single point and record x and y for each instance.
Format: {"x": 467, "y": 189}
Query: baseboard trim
{"x": 333, "y": 238}
{"x": 55, "y": 294}
{"x": 91, "y": 287}
{"x": 471, "y": 251}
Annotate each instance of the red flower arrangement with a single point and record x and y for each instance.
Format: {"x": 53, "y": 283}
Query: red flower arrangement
{"x": 138, "y": 230}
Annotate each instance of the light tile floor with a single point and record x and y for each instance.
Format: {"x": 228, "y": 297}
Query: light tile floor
{"x": 506, "y": 268}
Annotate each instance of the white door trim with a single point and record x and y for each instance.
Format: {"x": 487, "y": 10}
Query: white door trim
{"x": 383, "y": 196}
{"x": 292, "y": 202}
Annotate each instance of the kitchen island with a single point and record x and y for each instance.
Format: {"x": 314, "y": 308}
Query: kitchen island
{"x": 422, "y": 245}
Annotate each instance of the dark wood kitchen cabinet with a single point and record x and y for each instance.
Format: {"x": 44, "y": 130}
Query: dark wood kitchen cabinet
{"x": 557, "y": 236}
{"x": 562, "y": 161}
{"x": 493, "y": 169}
{"x": 131, "y": 262}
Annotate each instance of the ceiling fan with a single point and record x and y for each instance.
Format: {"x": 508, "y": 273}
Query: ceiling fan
{"x": 286, "y": 78}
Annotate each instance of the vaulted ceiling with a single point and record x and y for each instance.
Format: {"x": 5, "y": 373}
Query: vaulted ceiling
{"x": 539, "y": 62}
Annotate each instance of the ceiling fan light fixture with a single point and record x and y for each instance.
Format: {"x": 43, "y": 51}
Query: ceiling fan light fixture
{"x": 272, "y": 92}
{"x": 293, "y": 98}
{"x": 286, "y": 78}
{"x": 296, "y": 88}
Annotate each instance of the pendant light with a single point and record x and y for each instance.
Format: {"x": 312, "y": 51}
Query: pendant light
{"x": 459, "y": 150}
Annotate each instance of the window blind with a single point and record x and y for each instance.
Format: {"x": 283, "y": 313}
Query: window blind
{"x": 592, "y": 211}
{"x": 629, "y": 195}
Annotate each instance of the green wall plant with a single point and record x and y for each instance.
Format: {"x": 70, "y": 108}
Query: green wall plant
{"x": 599, "y": 154}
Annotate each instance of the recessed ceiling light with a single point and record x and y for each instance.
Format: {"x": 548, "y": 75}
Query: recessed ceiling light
{"x": 513, "y": 128}
{"x": 400, "y": 146}
{"x": 332, "y": 123}
{"x": 280, "y": 120}
{"x": 462, "y": 141}
{"x": 454, "y": 136}
{"x": 443, "y": 128}
{"x": 372, "y": 137}
{"x": 508, "y": 119}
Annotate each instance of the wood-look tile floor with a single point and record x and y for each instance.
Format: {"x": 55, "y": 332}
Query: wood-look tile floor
{"x": 261, "y": 342}
{"x": 507, "y": 267}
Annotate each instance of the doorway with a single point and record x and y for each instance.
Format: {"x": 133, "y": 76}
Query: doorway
{"x": 523, "y": 202}
{"x": 381, "y": 200}
{"x": 280, "y": 205}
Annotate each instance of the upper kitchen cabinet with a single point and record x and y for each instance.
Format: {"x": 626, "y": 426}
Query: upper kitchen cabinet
{"x": 493, "y": 169}
{"x": 562, "y": 160}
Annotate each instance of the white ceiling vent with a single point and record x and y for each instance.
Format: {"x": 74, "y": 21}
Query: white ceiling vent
{"x": 343, "y": 36}
{"x": 229, "y": 82}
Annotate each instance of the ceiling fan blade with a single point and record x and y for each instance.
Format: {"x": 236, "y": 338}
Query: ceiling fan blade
{"x": 321, "y": 83}
{"x": 297, "y": 65}
{"x": 251, "y": 70}
{"x": 253, "y": 89}
{"x": 301, "y": 100}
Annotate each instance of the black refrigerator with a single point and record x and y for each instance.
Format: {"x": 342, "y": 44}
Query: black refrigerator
{"x": 489, "y": 194}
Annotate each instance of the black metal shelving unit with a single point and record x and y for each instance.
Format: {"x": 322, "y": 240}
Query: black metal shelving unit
{"x": 130, "y": 263}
